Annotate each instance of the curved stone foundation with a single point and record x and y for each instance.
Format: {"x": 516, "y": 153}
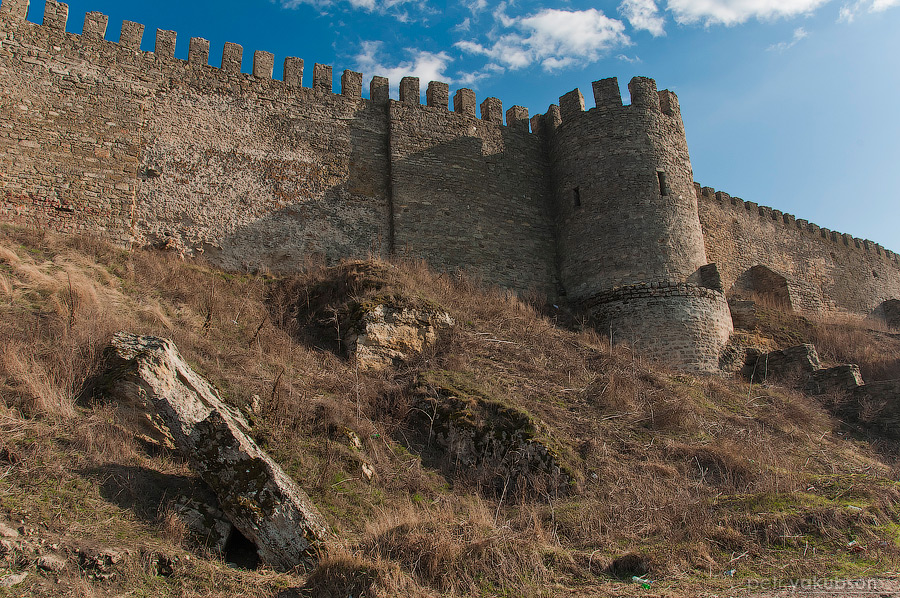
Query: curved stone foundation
{"x": 682, "y": 325}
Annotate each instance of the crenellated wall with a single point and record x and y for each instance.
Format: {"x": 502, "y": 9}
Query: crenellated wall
{"x": 148, "y": 149}
{"x": 824, "y": 270}
{"x": 471, "y": 193}
{"x": 253, "y": 172}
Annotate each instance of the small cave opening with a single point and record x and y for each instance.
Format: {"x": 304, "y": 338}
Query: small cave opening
{"x": 240, "y": 552}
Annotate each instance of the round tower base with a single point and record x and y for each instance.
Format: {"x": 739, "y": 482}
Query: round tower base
{"x": 681, "y": 325}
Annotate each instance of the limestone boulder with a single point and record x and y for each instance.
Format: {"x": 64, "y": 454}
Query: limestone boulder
{"x": 255, "y": 494}
{"x": 387, "y": 331}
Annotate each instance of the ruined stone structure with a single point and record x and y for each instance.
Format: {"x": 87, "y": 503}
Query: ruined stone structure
{"x": 598, "y": 206}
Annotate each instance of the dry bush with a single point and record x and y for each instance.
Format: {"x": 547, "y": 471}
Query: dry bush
{"x": 867, "y": 343}
{"x": 459, "y": 548}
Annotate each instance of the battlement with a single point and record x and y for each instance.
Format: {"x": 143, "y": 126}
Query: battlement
{"x": 608, "y": 97}
{"x": 131, "y": 37}
{"x": 749, "y": 209}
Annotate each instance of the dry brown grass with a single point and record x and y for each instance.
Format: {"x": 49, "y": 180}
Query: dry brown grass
{"x": 865, "y": 342}
{"x": 660, "y": 459}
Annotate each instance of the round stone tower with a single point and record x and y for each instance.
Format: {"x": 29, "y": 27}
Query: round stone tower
{"x": 630, "y": 243}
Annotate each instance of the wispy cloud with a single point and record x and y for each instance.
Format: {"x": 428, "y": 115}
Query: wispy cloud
{"x": 643, "y": 15}
{"x": 463, "y": 25}
{"x": 849, "y": 12}
{"x": 476, "y": 6}
{"x": 427, "y": 66}
{"x": 732, "y": 12}
{"x": 382, "y": 6}
{"x": 552, "y": 38}
{"x": 799, "y": 34}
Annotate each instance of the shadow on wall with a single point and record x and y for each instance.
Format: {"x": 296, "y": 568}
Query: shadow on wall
{"x": 888, "y": 312}
{"x": 477, "y": 201}
{"x": 760, "y": 283}
{"x": 281, "y": 195}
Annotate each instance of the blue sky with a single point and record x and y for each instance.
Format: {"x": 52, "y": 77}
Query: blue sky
{"x": 793, "y": 104}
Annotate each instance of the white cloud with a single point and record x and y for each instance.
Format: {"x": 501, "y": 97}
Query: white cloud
{"x": 643, "y": 14}
{"x": 848, "y": 12}
{"x": 799, "y": 34}
{"x": 382, "y": 6}
{"x": 732, "y": 12}
{"x": 427, "y": 66}
{"x": 879, "y": 5}
{"x": 476, "y": 6}
{"x": 553, "y": 38}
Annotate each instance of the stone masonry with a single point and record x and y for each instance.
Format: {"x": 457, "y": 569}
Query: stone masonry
{"x": 597, "y": 206}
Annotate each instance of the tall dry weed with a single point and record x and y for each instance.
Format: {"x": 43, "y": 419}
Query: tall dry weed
{"x": 38, "y": 390}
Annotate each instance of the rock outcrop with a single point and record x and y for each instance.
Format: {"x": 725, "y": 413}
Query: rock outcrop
{"x": 389, "y": 330}
{"x": 877, "y": 405}
{"x": 800, "y": 367}
{"x": 497, "y": 444}
{"x": 255, "y": 494}
{"x": 841, "y": 379}
{"x": 793, "y": 362}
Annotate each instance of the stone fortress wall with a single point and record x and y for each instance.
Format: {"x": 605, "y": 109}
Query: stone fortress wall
{"x": 822, "y": 270}
{"x": 599, "y": 205}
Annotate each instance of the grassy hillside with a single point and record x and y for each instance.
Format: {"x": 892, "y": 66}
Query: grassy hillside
{"x": 698, "y": 483}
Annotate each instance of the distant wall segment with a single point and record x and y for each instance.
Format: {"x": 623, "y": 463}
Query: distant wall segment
{"x": 825, "y": 270}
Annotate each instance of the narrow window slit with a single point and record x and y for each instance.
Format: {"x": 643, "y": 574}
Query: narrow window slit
{"x": 576, "y": 193}
{"x": 663, "y": 186}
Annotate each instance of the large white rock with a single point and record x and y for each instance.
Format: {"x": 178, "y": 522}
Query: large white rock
{"x": 384, "y": 334}
{"x": 257, "y": 496}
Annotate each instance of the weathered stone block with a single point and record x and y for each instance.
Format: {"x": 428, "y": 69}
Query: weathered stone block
{"x": 55, "y": 15}
{"x": 14, "y": 9}
{"x": 351, "y": 84}
{"x": 464, "y": 102}
{"x": 791, "y": 364}
{"x": 607, "y": 93}
{"x": 409, "y": 91}
{"x": 668, "y": 103}
{"x": 263, "y": 64}
{"x": 643, "y": 93}
{"x": 95, "y": 24}
{"x": 571, "y": 104}
{"x": 198, "y": 51}
{"x": 232, "y": 57}
{"x": 293, "y": 71}
{"x": 517, "y": 118}
{"x": 165, "y": 43}
{"x": 492, "y": 110}
{"x": 379, "y": 90}
{"x": 392, "y": 332}
{"x": 841, "y": 379}
{"x": 131, "y": 36}
{"x": 322, "y": 78}
{"x": 438, "y": 95}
